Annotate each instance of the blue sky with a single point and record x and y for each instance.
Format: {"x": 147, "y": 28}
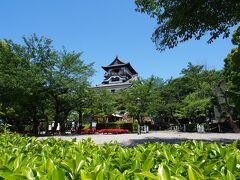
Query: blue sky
{"x": 104, "y": 29}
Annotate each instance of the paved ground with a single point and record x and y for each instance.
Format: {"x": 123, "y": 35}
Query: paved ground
{"x": 154, "y": 136}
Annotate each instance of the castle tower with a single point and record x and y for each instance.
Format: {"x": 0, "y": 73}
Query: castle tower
{"x": 118, "y": 76}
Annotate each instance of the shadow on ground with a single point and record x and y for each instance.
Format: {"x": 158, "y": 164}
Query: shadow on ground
{"x": 134, "y": 142}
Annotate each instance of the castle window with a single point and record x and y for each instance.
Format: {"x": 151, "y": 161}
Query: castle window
{"x": 114, "y": 79}
{"x": 116, "y": 70}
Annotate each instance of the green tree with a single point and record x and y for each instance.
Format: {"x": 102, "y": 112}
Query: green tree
{"x": 70, "y": 80}
{"x": 232, "y": 76}
{"x": 82, "y": 103}
{"x": 102, "y": 104}
{"x": 138, "y": 99}
{"x": 232, "y": 70}
{"x": 19, "y": 85}
{"x": 196, "y": 105}
{"x": 160, "y": 107}
{"x": 187, "y": 97}
{"x": 164, "y": 102}
{"x": 37, "y": 81}
{"x": 42, "y": 58}
{"x": 181, "y": 20}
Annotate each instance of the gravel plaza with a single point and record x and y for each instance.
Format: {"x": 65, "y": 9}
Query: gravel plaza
{"x": 171, "y": 137}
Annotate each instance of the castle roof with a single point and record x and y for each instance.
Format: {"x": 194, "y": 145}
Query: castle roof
{"x": 117, "y": 64}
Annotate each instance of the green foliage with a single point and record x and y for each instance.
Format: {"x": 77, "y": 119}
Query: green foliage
{"x": 137, "y": 99}
{"x": 5, "y": 128}
{"x": 86, "y": 126}
{"x": 181, "y": 20}
{"x": 39, "y": 82}
{"x": 121, "y": 125}
{"x": 232, "y": 72}
{"x": 102, "y": 103}
{"x": 194, "y": 106}
{"x": 29, "y": 158}
{"x": 189, "y": 97}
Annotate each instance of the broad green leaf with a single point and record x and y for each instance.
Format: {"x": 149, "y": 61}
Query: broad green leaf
{"x": 66, "y": 167}
{"x": 148, "y": 175}
{"x": 100, "y": 175}
{"x": 216, "y": 147}
{"x": 235, "y": 143}
{"x": 148, "y": 163}
{"x": 6, "y": 173}
{"x": 208, "y": 168}
{"x": 194, "y": 173}
{"x": 79, "y": 166}
{"x": 136, "y": 165}
{"x": 97, "y": 168}
{"x": 138, "y": 177}
{"x": 167, "y": 154}
{"x": 231, "y": 161}
{"x": 179, "y": 169}
{"x": 19, "y": 176}
{"x": 178, "y": 178}
{"x": 50, "y": 165}
{"x": 85, "y": 175}
{"x": 163, "y": 172}
{"x": 115, "y": 174}
{"x": 28, "y": 172}
{"x": 58, "y": 174}
{"x": 17, "y": 162}
{"x": 121, "y": 177}
{"x": 230, "y": 176}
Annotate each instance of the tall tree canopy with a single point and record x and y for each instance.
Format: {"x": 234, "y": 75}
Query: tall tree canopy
{"x": 232, "y": 72}
{"x": 138, "y": 97}
{"x": 181, "y": 20}
{"x": 36, "y": 80}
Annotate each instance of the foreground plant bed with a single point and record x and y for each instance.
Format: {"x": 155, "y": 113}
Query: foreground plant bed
{"x": 29, "y": 158}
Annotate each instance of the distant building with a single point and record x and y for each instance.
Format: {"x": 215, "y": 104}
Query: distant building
{"x": 118, "y": 76}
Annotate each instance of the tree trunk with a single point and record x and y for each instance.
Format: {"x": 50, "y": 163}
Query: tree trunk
{"x": 35, "y": 122}
{"x": 54, "y": 128}
{"x": 56, "y": 117}
{"x": 80, "y": 120}
{"x": 62, "y": 126}
{"x": 175, "y": 119}
{"x": 46, "y": 124}
{"x": 63, "y": 121}
{"x": 233, "y": 125}
{"x": 90, "y": 123}
{"x": 139, "y": 123}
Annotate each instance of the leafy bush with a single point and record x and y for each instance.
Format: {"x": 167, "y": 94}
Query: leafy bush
{"x": 191, "y": 127}
{"x": 5, "y": 128}
{"x": 29, "y": 158}
{"x": 86, "y": 126}
{"x": 28, "y": 128}
{"x": 135, "y": 127}
{"x": 21, "y": 127}
{"x": 128, "y": 126}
